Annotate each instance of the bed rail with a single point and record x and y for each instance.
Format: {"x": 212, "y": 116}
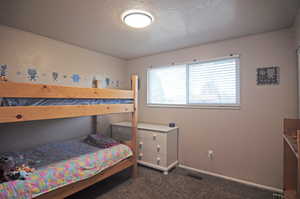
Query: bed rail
{"x": 31, "y": 113}
{"x": 26, "y": 90}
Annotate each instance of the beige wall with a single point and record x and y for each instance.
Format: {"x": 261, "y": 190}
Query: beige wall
{"x": 297, "y": 28}
{"x": 247, "y": 143}
{"x": 22, "y": 50}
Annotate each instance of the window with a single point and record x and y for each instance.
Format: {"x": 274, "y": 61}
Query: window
{"x": 167, "y": 85}
{"x": 212, "y": 83}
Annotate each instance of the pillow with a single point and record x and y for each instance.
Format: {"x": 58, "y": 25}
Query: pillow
{"x": 100, "y": 141}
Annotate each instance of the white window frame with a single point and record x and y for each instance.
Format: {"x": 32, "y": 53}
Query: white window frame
{"x": 199, "y": 105}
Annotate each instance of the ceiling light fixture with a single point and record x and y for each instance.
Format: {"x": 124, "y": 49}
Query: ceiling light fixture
{"x": 137, "y": 18}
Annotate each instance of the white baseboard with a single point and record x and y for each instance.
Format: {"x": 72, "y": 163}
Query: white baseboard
{"x": 233, "y": 179}
{"x": 158, "y": 167}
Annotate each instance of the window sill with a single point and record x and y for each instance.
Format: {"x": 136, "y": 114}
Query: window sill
{"x": 230, "y": 107}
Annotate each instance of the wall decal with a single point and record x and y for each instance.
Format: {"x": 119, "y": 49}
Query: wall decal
{"x": 118, "y": 84}
{"x": 107, "y": 82}
{"x": 268, "y": 75}
{"x": 32, "y": 74}
{"x": 75, "y": 78}
{"x": 55, "y": 76}
{"x": 3, "y": 70}
{"x": 44, "y": 74}
{"x": 65, "y": 76}
{"x": 18, "y": 73}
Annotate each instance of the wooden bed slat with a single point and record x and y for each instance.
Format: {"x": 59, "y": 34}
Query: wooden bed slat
{"x": 30, "y": 113}
{"x": 25, "y": 90}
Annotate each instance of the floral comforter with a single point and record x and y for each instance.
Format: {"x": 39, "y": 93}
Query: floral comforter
{"x": 59, "y": 164}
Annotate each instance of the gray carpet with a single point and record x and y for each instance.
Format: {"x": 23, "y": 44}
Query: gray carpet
{"x": 179, "y": 184}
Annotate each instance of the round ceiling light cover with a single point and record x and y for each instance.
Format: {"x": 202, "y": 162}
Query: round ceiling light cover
{"x": 137, "y": 18}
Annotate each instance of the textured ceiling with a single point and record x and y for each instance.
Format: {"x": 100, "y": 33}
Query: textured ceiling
{"x": 96, "y": 24}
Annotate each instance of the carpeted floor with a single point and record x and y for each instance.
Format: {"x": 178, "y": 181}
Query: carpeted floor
{"x": 179, "y": 184}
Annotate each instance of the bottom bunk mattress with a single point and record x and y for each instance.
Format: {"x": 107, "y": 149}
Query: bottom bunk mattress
{"x": 60, "y": 164}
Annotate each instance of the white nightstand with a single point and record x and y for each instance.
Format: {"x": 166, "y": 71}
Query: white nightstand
{"x": 157, "y": 144}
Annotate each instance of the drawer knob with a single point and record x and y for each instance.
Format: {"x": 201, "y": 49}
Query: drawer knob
{"x": 154, "y": 136}
{"x": 140, "y": 156}
{"x": 158, "y": 161}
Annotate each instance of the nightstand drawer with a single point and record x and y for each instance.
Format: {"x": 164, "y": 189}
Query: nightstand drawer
{"x": 152, "y": 146}
{"x": 155, "y": 159}
{"x": 152, "y": 136}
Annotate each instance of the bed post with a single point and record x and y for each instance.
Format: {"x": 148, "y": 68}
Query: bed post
{"x": 96, "y": 84}
{"x": 134, "y": 119}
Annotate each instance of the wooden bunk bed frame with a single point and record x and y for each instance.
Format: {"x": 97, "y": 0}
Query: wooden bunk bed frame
{"x": 31, "y": 113}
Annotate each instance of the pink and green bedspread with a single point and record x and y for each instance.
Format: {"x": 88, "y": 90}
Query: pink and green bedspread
{"x": 59, "y": 164}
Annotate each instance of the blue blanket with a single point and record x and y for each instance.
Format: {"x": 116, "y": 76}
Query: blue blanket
{"x": 59, "y": 102}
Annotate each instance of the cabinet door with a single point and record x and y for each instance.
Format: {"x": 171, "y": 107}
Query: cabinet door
{"x": 172, "y": 147}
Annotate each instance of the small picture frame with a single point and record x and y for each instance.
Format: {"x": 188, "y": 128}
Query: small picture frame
{"x": 268, "y": 75}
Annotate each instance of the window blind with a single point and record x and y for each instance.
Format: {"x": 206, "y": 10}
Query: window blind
{"x": 212, "y": 83}
{"x": 167, "y": 85}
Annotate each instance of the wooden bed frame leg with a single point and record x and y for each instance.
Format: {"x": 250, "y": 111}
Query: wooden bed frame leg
{"x": 134, "y": 84}
{"x": 135, "y": 171}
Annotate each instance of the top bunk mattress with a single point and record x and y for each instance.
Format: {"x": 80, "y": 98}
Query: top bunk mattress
{"x": 60, "y": 164}
{"x": 59, "y": 102}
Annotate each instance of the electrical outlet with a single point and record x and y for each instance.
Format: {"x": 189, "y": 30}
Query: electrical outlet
{"x": 210, "y": 154}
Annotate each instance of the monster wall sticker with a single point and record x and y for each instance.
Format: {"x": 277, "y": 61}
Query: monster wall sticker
{"x": 107, "y": 82}
{"x": 76, "y": 78}
{"x": 32, "y": 74}
{"x": 55, "y": 76}
{"x": 3, "y": 70}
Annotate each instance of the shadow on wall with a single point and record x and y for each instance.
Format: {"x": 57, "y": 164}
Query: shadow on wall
{"x": 18, "y": 136}
{"x": 104, "y": 122}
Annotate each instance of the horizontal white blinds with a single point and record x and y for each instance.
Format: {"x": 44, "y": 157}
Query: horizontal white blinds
{"x": 215, "y": 82}
{"x": 167, "y": 85}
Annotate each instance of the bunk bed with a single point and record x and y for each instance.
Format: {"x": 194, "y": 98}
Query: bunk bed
{"x": 22, "y": 102}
